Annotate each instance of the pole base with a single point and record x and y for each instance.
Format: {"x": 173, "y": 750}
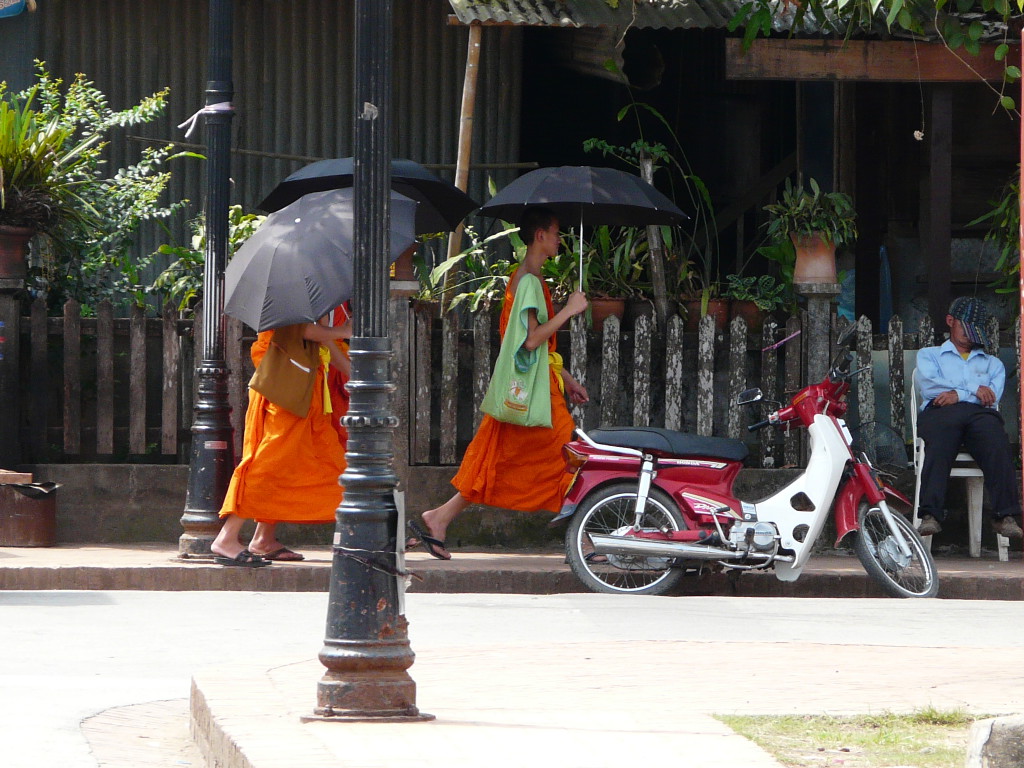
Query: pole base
{"x": 371, "y": 694}
{"x": 359, "y": 717}
{"x": 196, "y": 546}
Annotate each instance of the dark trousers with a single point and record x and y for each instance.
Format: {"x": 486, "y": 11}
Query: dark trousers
{"x": 981, "y": 432}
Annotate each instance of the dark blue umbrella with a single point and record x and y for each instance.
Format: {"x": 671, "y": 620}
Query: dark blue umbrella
{"x": 441, "y": 205}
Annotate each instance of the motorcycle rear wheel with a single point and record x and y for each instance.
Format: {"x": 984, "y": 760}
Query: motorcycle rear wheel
{"x": 612, "y": 509}
{"x": 879, "y": 553}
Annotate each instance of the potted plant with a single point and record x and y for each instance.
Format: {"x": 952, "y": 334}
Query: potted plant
{"x": 816, "y": 222}
{"x": 476, "y": 276}
{"x": 752, "y": 297}
{"x": 40, "y": 168}
{"x": 1004, "y": 235}
{"x": 614, "y": 270}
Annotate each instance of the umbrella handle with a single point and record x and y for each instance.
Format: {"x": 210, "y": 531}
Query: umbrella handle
{"x": 581, "y": 251}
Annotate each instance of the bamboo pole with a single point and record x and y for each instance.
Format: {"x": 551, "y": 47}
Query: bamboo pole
{"x": 465, "y": 143}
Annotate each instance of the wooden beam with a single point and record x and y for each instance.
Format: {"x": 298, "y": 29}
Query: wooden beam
{"x": 883, "y": 61}
{"x": 935, "y": 235}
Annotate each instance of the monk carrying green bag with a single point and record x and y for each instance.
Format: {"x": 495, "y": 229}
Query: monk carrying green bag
{"x": 519, "y": 392}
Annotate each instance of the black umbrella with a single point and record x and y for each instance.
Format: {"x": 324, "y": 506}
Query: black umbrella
{"x": 441, "y": 205}
{"x": 298, "y": 264}
{"x": 585, "y": 194}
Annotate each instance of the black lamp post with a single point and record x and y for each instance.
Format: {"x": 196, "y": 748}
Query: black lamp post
{"x": 366, "y": 648}
{"x": 212, "y": 458}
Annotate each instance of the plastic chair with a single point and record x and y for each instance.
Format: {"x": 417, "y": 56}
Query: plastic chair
{"x": 963, "y": 466}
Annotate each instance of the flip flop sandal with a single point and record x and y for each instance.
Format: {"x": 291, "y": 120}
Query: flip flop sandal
{"x": 435, "y": 547}
{"x": 283, "y": 555}
{"x": 244, "y": 559}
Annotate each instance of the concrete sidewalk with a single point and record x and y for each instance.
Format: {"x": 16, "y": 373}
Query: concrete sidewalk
{"x": 608, "y": 681}
{"x": 562, "y": 679}
{"x": 157, "y": 567}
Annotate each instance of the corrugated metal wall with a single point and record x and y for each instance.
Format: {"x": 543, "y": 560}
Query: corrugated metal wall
{"x": 293, "y": 82}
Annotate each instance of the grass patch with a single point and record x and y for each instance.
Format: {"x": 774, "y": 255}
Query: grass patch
{"x": 925, "y": 738}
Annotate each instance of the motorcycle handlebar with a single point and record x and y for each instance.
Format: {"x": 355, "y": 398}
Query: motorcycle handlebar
{"x": 759, "y": 425}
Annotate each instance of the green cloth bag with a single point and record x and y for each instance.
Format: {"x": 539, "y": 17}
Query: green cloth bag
{"x": 519, "y": 392}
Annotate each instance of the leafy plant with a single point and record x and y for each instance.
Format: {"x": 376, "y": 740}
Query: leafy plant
{"x": 483, "y": 277}
{"x": 614, "y": 262}
{"x": 41, "y": 167}
{"x": 692, "y": 250}
{"x": 783, "y": 254}
{"x": 182, "y": 281}
{"x": 763, "y": 290}
{"x": 94, "y": 218}
{"x": 1004, "y": 234}
{"x": 802, "y": 212}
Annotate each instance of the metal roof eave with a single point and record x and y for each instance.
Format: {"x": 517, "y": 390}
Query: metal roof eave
{"x": 654, "y": 14}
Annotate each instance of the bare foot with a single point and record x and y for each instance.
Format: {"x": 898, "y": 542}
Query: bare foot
{"x": 225, "y": 551}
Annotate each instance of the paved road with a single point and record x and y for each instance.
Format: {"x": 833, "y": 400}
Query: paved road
{"x": 70, "y": 655}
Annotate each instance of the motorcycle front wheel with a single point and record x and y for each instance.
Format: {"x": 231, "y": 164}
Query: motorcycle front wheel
{"x": 879, "y": 553}
{"x": 611, "y": 511}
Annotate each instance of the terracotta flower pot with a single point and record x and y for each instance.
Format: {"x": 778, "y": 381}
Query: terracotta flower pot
{"x": 815, "y": 259}
{"x": 14, "y": 251}
{"x": 717, "y": 308}
{"x": 602, "y": 308}
{"x": 403, "y": 269}
{"x": 749, "y": 311}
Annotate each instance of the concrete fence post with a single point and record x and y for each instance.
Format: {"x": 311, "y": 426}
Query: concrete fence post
{"x": 10, "y": 380}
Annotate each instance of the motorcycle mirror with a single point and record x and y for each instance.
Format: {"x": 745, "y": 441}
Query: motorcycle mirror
{"x": 749, "y": 396}
{"x": 841, "y": 362}
{"x": 847, "y": 335}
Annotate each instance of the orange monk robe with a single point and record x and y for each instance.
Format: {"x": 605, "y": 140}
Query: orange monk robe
{"x": 339, "y": 395}
{"x": 516, "y": 467}
{"x": 290, "y": 466}
{"x": 336, "y": 379}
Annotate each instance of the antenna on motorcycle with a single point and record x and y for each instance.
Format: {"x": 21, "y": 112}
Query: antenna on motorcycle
{"x": 778, "y": 344}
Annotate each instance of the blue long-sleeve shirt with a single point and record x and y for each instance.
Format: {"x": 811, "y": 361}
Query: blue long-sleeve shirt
{"x": 940, "y": 369}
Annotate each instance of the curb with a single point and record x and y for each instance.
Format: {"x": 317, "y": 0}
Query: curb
{"x": 996, "y": 743}
{"x": 533, "y": 578}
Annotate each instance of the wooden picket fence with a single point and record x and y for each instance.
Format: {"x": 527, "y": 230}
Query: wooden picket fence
{"x": 677, "y": 379}
{"x": 102, "y": 388}
{"x": 121, "y": 389}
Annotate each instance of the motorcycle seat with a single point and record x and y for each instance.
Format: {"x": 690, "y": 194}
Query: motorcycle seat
{"x": 671, "y": 442}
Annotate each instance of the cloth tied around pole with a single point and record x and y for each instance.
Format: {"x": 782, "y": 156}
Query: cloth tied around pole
{"x": 192, "y": 123}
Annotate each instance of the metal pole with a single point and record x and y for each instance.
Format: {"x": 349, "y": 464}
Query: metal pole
{"x": 366, "y": 649}
{"x": 1020, "y": 249}
{"x": 212, "y": 459}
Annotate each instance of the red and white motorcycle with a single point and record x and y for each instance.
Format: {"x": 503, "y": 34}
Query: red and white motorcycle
{"x": 646, "y": 505}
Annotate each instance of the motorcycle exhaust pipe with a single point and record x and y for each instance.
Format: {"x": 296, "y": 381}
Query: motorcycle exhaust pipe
{"x": 619, "y": 545}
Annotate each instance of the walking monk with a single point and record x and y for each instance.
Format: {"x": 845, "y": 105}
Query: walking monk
{"x": 507, "y": 465}
{"x": 290, "y": 463}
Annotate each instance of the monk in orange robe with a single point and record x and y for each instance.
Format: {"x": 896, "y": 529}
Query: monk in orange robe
{"x": 341, "y": 317}
{"x": 290, "y": 464}
{"x": 507, "y": 465}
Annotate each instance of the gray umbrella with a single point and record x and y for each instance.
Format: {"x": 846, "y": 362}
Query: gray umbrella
{"x": 298, "y": 264}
